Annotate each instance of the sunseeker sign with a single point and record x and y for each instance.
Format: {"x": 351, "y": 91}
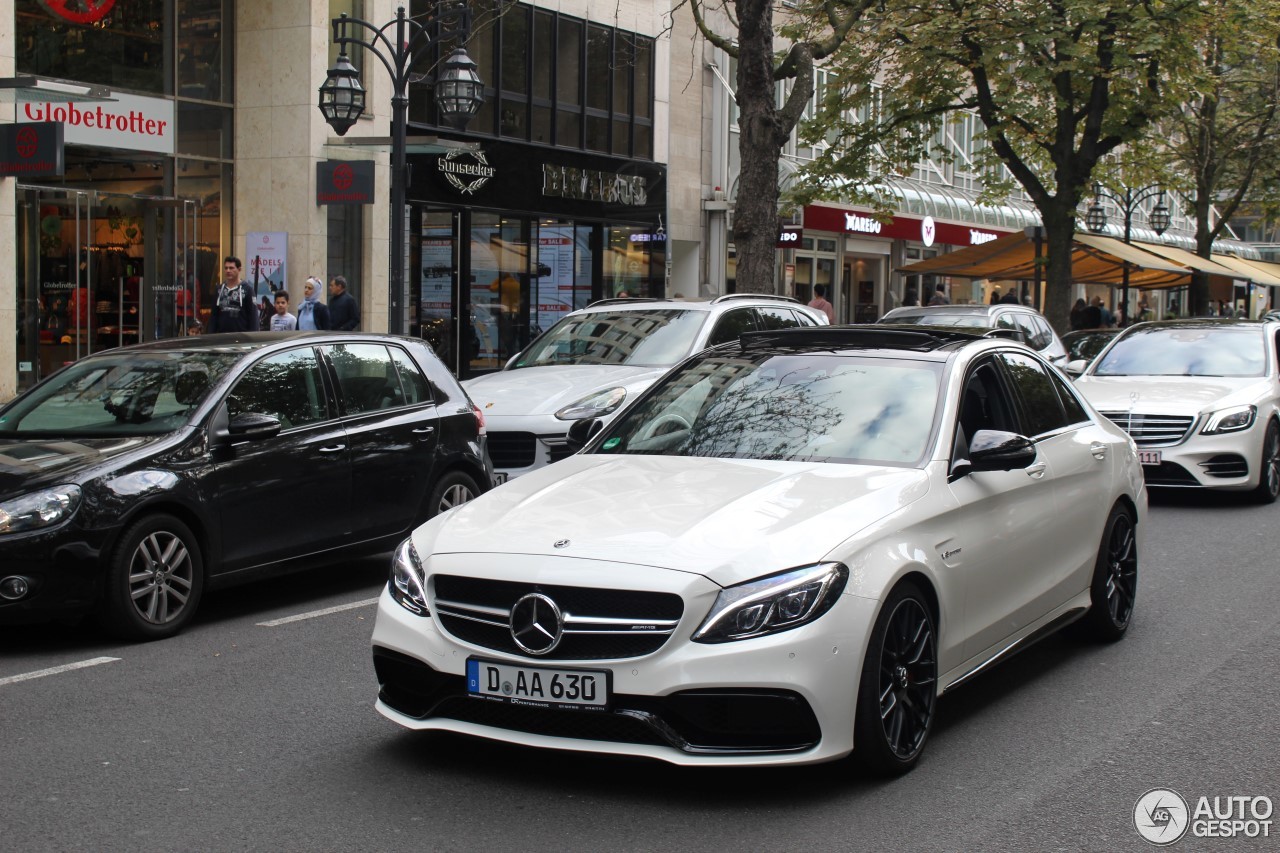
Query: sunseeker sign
{"x": 131, "y": 122}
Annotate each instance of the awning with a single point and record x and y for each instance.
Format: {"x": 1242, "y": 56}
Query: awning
{"x": 1192, "y": 260}
{"x": 1259, "y": 272}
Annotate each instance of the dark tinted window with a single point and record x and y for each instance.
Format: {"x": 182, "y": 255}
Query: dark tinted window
{"x": 778, "y": 318}
{"x": 416, "y": 389}
{"x": 1041, "y": 409}
{"x": 1074, "y": 410}
{"x": 367, "y": 378}
{"x": 984, "y": 403}
{"x": 731, "y": 326}
{"x": 1044, "y": 332}
{"x": 287, "y": 386}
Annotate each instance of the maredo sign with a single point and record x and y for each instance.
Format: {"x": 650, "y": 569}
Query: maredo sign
{"x": 130, "y": 122}
{"x": 841, "y": 221}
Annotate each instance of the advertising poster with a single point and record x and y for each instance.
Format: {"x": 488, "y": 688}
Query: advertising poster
{"x": 265, "y": 262}
{"x": 435, "y": 296}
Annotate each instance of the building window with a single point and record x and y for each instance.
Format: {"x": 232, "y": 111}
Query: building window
{"x": 346, "y": 241}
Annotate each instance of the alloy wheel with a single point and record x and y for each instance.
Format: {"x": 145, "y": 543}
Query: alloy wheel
{"x": 1271, "y": 461}
{"x": 160, "y": 577}
{"x": 1122, "y": 571}
{"x": 908, "y": 678}
{"x": 456, "y": 495}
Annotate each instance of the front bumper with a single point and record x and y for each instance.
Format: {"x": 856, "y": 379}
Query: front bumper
{"x": 788, "y": 698}
{"x": 62, "y": 568}
{"x": 1229, "y": 461}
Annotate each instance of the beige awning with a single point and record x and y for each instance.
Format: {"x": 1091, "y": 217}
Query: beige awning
{"x": 1135, "y": 255}
{"x": 1191, "y": 259}
{"x": 1255, "y": 271}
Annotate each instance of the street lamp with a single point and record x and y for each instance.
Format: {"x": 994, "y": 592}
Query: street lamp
{"x": 1096, "y": 218}
{"x": 459, "y": 94}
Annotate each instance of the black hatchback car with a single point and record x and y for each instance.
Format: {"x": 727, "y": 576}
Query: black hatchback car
{"x": 133, "y": 480}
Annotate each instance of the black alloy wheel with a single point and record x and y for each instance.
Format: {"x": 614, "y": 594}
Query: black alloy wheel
{"x": 453, "y": 489}
{"x": 1114, "y": 589}
{"x": 898, "y": 691}
{"x": 1269, "y": 469}
{"x": 154, "y": 581}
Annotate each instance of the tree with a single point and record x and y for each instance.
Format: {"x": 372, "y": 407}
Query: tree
{"x": 765, "y": 126}
{"x": 1226, "y": 138}
{"x": 1058, "y": 87}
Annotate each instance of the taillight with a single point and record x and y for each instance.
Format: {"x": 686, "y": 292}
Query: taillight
{"x": 479, "y": 418}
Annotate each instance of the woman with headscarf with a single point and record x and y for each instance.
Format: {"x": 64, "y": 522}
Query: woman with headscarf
{"x": 312, "y": 313}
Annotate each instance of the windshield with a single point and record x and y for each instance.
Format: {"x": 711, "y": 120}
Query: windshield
{"x": 939, "y": 318}
{"x": 651, "y": 337}
{"x": 1186, "y": 351}
{"x": 813, "y": 407}
{"x": 125, "y": 394}
{"x": 1086, "y": 345}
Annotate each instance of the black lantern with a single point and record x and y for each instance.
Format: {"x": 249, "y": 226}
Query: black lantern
{"x": 1096, "y": 218}
{"x": 459, "y": 90}
{"x": 342, "y": 96}
{"x": 1160, "y": 218}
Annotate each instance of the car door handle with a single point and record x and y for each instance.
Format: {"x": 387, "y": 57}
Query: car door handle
{"x": 424, "y": 431}
{"x": 1036, "y": 471}
{"x": 1099, "y": 450}
{"x": 336, "y": 448}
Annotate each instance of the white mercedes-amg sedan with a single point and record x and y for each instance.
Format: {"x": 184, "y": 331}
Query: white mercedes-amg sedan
{"x": 783, "y": 552}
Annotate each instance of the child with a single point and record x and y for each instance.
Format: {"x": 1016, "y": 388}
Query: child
{"x": 282, "y": 320}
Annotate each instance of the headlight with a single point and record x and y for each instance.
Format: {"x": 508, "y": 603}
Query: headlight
{"x": 41, "y": 509}
{"x": 599, "y": 403}
{"x": 409, "y": 579}
{"x": 776, "y": 603}
{"x": 1230, "y": 420}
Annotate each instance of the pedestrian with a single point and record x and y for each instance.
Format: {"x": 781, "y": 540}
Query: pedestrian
{"x": 912, "y": 297}
{"x": 820, "y": 302}
{"x": 233, "y": 310}
{"x": 1010, "y": 297}
{"x": 344, "y": 313}
{"x": 266, "y": 310}
{"x": 995, "y": 295}
{"x": 940, "y": 296}
{"x": 1077, "y": 314}
{"x": 282, "y": 320}
{"x": 312, "y": 313}
{"x": 1107, "y": 319}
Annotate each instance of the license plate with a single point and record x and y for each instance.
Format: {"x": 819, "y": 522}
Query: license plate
{"x": 499, "y": 477}
{"x": 541, "y": 687}
{"x": 1149, "y": 457}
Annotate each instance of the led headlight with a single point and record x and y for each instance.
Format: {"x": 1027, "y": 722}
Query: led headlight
{"x": 409, "y": 579}
{"x": 776, "y": 603}
{"x": 593, "y": 406}
{"x": 39, "y": 509}
{"x": 1230, "y": 420}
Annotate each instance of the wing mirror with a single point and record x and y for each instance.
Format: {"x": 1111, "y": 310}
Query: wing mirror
{"x": 997, "y": 450}
{"x": 252, "y": 426}
{"x": 581, "y": 432}
{"x": 1076, "y": 368}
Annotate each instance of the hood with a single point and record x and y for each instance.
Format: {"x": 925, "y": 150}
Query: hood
{"x": 1171, "y": 394}
{"x": 546, "y": 390}
{"x": 27, "y": 465}
{"x": 727, "y": 519}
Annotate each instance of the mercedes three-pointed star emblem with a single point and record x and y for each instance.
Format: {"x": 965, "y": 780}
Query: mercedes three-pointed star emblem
{"x": 537, "y": 624}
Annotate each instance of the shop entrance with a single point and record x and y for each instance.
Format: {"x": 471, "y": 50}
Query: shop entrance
{"x": 98, "y": 270}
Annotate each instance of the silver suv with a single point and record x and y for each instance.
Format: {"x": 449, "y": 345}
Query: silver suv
{"x": 594, "y": 360}
{"x": 1028, "y": 324}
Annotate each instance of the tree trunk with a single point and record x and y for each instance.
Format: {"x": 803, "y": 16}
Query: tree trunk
{"x": 1059, "y": 244}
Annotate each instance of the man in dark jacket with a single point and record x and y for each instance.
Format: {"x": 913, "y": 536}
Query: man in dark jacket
{"x": 233, "y": 310}
{"x": 344, "y": 312}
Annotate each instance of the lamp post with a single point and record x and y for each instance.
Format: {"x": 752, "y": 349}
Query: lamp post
{"x": 1096, "y": 218}
{"x": 458, "y": 90}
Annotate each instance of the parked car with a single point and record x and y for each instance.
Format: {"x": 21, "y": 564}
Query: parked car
{"x": 593, "y": 361}
{"x": 1083, "y": 345}
{"x": 1029, "y": 324}
{"x": 785, "y": 550}
{"x": 135, "y": 480}
{"x": 1200, "y": 397}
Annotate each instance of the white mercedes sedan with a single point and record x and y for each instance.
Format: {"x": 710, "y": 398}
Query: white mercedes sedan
{"x": 782, "y": 553}
{"x": 1200, "y": 397}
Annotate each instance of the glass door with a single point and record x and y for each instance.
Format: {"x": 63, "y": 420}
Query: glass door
{"x": 436, "y": 313}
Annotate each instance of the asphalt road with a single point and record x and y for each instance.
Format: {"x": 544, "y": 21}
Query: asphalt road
{"x": 240, "y": 735}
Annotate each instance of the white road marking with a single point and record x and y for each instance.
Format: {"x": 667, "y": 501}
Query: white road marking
{"x": 54, "y": 670}
{"x": 314, "y": 613}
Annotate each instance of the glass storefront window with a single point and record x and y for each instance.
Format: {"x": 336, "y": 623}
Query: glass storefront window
{"x": 626, "y": 262}
{"x": 203, "y": 63}
{"x": 499, "y": 288}
{"x": 124, "y": 48}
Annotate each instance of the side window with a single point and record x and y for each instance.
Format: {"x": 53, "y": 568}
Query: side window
{"x": 288, "y": 386}
{"x": 732, "y": 325}
{"x": 805, "y": 319}
{"x": 984, "y": 403}
{"x": 367, "y": 378}
{"x": 412, "y": 379}
{"x": 1070, "y": 403}
{"x": 1030, "y": 333}
{"x": 1044, "y": 332}
{"x": 1005, "y": 321}
{"x": 778, "y": 318}
{"x": 1041, "y": 408}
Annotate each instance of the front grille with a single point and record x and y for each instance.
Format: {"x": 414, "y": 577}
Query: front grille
{"x": 706, "y": 721}
{"x": 512, "y": 449}
{"x": 599, "y": 624}
{"x": 1168, "y": 474}
{"x": 557, "y": 447}
{"x": 1226, "y": 465}
{"x": 1152, "y": 430}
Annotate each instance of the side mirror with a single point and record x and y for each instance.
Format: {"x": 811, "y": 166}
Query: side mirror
{"x": 253, "y": 426}
{"x": 1076, "y": 368}
{"x": 581, "y": 432}
{"x": 996, "y": 450}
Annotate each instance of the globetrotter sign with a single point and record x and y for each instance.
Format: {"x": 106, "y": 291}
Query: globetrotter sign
{"x": 129, "y": 121}
{"x": 31, "y": 150}
{"x": 344, "y": 182}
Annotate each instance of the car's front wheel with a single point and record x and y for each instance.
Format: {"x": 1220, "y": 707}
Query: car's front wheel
{"x": 898, "y": 690}
{"x": 1269, "y": 469}
{"x": 154, "y": 581}
{"x": 453, "y": 489}
{"x": 1114, "y": 588}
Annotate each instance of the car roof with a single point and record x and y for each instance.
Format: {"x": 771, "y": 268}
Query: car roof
{"x": 1201, "y": 322}
{"x": 966, "y": 308}
{"x": 729, "y": 299}
{"x": 932, "y": 343}
{"x": 249, "y": 341}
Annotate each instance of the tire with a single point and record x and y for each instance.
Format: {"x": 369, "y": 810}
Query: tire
{"x": 1114, "y": 587}
{"x": 453, "y": 489}
{"x": 1269, "y": 467}
{"x": 154, "y": 581}
{"x": 898, "y": 690}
